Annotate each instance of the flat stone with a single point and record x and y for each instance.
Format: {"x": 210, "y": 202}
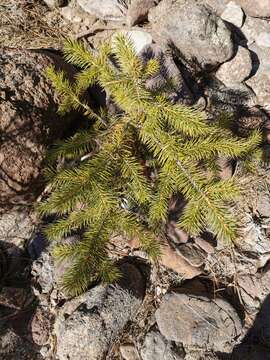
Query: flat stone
{"x": 234, "y": 14}
{"x": 176, "y": 262}
{"x": 196, "y": 321}
{"x": 236, "y": 70}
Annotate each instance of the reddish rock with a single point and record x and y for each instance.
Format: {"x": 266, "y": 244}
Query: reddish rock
{"x": 29, "y": 122}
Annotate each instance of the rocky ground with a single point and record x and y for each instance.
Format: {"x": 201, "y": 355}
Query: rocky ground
{"x": 204, "y": 300}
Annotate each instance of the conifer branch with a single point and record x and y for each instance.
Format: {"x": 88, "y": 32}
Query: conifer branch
{"x": 130, "y": 164}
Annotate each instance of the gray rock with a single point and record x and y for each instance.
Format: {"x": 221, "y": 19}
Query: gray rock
{"x": 260, "y": 80}
{"x": 138, "y": 11}
{"x": 105, "y": 9}
{"x": 222, "y": 98}
{"x": 234, "y": 14}
{"x": 263, "y": 39}
{"x": 43, "y": 272}
{"x": 254, "y": 239}
{"x": 218, "y": 6}
{"x": 197, "y": 321}
{"x": 14, "y": 347}
{"x": 253, "y": 28}
{"x": 17, "y": 226}
{"x": 260, "y": 84}
{"x": 87, "y": 325}
{"x": 168, "y": 71}
{"x": 138, "y": 38}
{"x": 236, "y": 70}
{"x": 158, "y": 348}
{"x": 197, "y": 34}
{"x": 260, "y": 9}
{"x": 47, "y": 272}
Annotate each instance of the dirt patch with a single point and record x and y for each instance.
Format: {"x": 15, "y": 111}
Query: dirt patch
{"x": 30, "y": 24}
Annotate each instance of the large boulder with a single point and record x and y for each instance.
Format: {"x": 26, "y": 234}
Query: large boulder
{"x": 29, "y": 123}
{"x": 88, "y": 324}
{"x": 199, "y": 35}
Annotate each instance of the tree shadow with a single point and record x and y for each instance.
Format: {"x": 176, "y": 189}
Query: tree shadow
{"x": 256, "y": 343}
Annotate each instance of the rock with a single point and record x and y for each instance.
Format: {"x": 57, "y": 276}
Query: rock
{"x": 56, "y": 3}
{"x": 260, "y": 84}
{"x": 204, "y": 245}
{"x": 198, "y": 322}
{"x": 199, "y": 35}
{"x": 106, "y": 9}
{"x": 14, "y": 347}
{"x": 250, "y": 119}
{"x": 168, "y": 70}
{"x": 233, "y": 14}
{"x": 254, "y": 29}
{"x": 72, "y": 14}
{"x": 129, "y": 352}
{"x": 138, "y": 11}
{"x": 87, "y": 325}
{"x": 263, "y": 39}
{"x": 140, "y": 39}
{"x": 178, "y": 236}
{"x": 253, "y": 239}
{"x": 43, "y": 273}
{"x": 176, "y": 262}
{"x": 236, "y": 70}
{"x": 29, "y": 122}
{"x": 40, "y": 327}
{"x": 263, "y": 205}
{"x": 156, "y": 347}
{"x": 225, "y": 168}
{"x": 218, "y": 6}
{"x": 17, "y": 226}
{"x": 260, "y": 9}
{"x": 192, "y": 254}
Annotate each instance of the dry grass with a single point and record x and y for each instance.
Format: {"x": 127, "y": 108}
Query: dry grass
{"x": 30, "y": 24}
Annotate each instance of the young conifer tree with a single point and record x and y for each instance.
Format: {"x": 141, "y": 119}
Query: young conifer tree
{"x": 131, "y": 163}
